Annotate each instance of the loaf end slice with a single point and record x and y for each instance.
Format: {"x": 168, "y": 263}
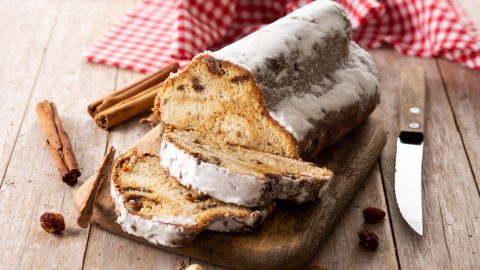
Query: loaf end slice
{"x": 238, "y": 175}
{"x": 152, "y": 204}
{"x": 223, "y": 100}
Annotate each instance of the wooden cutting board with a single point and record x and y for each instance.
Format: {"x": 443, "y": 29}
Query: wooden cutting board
{"x": 293, "y": 233}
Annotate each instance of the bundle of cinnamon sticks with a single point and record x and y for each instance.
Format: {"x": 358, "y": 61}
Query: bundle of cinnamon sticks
{"x": 130, "y": 101}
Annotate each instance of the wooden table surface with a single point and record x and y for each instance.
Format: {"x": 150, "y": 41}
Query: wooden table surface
{"x": 41, "y": 43}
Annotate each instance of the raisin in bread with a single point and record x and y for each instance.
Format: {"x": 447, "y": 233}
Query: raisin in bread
{"x": 152, "y": 204}
{"x": 291, "y": 88}
{"x": 238, "y": 175}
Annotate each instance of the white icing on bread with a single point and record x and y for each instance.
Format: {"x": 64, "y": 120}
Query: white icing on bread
{"x": 218, "y": 182}
{"x": 298, "y": 31}
{"x": 348, "y": 85}
{"x": 154, "y": 231}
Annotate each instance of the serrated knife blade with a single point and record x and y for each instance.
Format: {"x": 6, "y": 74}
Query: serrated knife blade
{"x": 408, "y": 183}
{"x": 409, "y": 157}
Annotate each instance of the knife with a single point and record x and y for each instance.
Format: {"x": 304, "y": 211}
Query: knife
{"x": 408, "y": 165}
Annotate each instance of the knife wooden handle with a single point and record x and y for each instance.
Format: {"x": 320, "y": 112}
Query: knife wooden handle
{"x": 412, "y": 104}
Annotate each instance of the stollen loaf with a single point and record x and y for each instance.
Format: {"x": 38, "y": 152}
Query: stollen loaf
{"x": 291, "y": 88}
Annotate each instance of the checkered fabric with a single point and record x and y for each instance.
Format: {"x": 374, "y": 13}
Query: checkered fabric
{"x": 156, "y": 32}
{"x": 425, "y": 28}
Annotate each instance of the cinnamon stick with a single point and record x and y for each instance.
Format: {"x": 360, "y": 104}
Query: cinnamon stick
{"x": 58, "y": 142}
{"x": 128, "y": 108}
{"x": 131, "y": 90}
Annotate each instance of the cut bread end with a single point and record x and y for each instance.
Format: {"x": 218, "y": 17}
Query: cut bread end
{"x": 222, "y": 99}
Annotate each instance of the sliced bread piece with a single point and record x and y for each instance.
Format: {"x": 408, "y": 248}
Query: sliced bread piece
{"x": 238, "y": 175}
{"x": 153, "y": 205}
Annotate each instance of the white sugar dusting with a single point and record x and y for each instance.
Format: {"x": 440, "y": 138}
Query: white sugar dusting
{"x": 219, "y": 182}
{"x": 356, "y": 80}
{"x": 300, "y": 29}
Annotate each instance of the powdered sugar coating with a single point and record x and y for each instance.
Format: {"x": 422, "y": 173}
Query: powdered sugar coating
{"x": 218, "y": 182}
{"x": 154, "y": 231}
{"x": 355, "y": 81}
{"x": 174, "y": 235}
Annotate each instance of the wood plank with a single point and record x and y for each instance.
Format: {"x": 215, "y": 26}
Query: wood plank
{"x": 463, "y": 88}
{"x": 21, "y": 56}
{"x": 32, "y": 183}
{"x": 110, "y": 251}
{"x": 342, "y": 250}
{"x": 451, "y": 202}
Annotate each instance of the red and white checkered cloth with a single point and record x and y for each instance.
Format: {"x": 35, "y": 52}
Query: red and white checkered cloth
{"x": 156, "y": 32}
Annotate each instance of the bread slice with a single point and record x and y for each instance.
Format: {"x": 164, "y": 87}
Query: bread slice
{"x": 238, "y": 175}
{"x": 153, "y": 205}
{"x": 291, "y": 88}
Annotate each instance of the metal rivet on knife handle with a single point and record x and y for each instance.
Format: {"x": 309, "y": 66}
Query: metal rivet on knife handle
{"x": 414, "y": 125}
{"x": 415, "y": 110}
